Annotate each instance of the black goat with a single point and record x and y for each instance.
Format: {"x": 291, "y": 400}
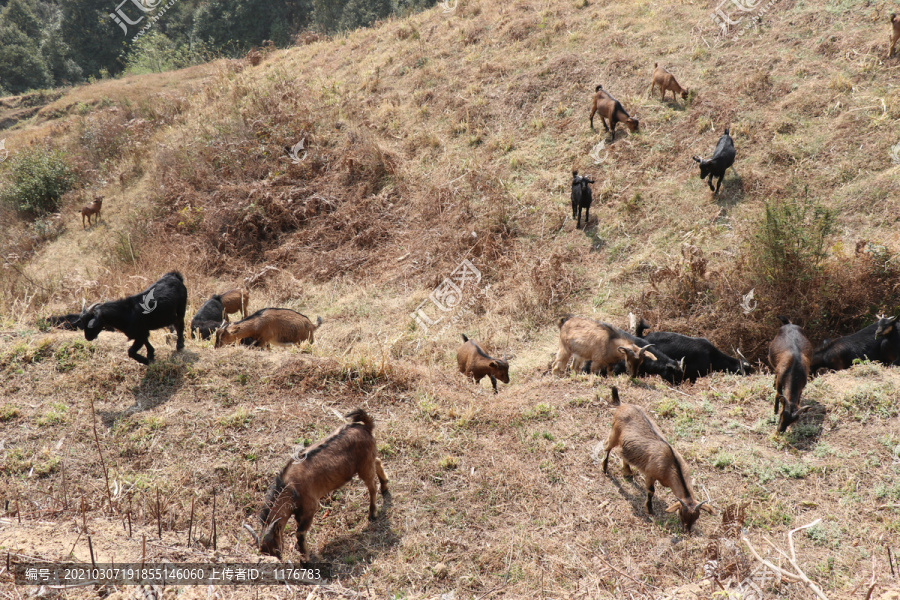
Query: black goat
{"x": 70, "y": 322}
{"x": 789, "y": 354}
{"x": 879, "y": 341}
{"x": 209, "y": 317}
{"x": 581, "y": 198}
{"x": 723, "y": 157}
{"x": 699, "y": 355}
{"x": 160, "y": 305}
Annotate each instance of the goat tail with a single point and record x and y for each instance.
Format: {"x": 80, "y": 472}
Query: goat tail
{"x": 360, "y": 416}
{"x": 598, "y": 88}
{"x": 615, "y": 397}
{"x": 465, "y": 339}
{"x": 655, "y": 65}
{"x": 893, "y": 16}
{"x": 562, "y": 321}
{"x": 784, "y": 320}
{"x": 318, "y": 322}
{"x": 177, "y": 275}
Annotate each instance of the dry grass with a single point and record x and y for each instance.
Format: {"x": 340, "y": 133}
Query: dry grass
{"x": 430, "y": 140}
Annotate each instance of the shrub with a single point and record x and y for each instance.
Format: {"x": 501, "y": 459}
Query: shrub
{"x": 35, "y": 180}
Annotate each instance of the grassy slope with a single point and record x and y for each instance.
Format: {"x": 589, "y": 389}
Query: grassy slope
{"x": 482, "y": 112}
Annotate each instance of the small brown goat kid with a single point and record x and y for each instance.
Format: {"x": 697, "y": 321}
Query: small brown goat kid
{"x": 321, "y": 469}
{"x": 895, "y": 33}
{"x": 269, "y": 326}
{"x": 645, "y": 448}
{"x": 236, "y": 300}
{"x": 666, "y": 83}
{"x": 611, "y": 110}
{"x": 475, "y": 363}
{"x": 602, "y": 344}
{"x": 91, "y": 209}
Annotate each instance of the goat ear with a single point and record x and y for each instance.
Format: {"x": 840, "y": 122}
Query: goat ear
{"x": 673, "y": 507}
{"x": 626, "y": 351}
{"x": 651, "y": 356}
{"x": 696, "y": 158}
{"x": 92, "y": 323}
{"x": 493, "y": 364}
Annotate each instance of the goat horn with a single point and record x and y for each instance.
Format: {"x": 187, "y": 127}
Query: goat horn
{"x": 253, "y": 533}
{"x": 271, "y": 526}
{"x": 681, "y": 364}
{"x": 682, "y": 502}
{"x": 83, "y": 303}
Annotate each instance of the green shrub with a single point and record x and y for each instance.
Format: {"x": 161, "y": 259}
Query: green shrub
{"x": 35, "y": 179}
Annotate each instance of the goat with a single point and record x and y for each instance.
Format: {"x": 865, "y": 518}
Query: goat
{"x": 879, "y": 341}
{"x": 611, "y": 110}
{"x": 666, "y": 82}
{"x": 789, "y": 354}
{"x": 91, "y": 209}
{"x": 722, "y": 158}
{"x": 160, "y": 305}
{"x": 699, "y": 355}
{"x": 895, "y": 33}
{"x": 473, "y": 362}
{"x": 323, "y": 468}
{"x": 269, "y": 326}
{"x": 581, "y": 198}
{"x": 600, "y": 343}
{"x": 235, "y": 300}
{"x": 70, "y": 322}
{"x": 208, "y": 318}
{"x": 645, "y": 448}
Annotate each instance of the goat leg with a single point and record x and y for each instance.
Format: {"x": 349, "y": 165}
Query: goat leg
{"x": 133, "y": 352}
{"x": 493, "y": 383}
{"x": 179, "y": 329}
{"x": 650, "y": 491}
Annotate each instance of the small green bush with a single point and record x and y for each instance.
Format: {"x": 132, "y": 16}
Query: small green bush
{"x": 35, "y": 179}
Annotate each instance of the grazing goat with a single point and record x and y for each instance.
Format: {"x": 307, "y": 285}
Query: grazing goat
{"x": 723, "y": 157}
{"x": 879, "y": 341}
{"x": 235, "y": 300}
{"x": 70, "y": 322}
{"x": 160, "y": 305}
{"x": 91, "y": 209}
{"x": 789, "y": 354}
{"x": 699, "y": 356}
{"x": 321, "y": 469}
{"x": 473, "y": 362}
{"x": 581, "y": 198}
{"x": 666, "y": 82}
{"x": 611, "y": 110}
{"x": 645, "y": 448}
{"x": 208, "y": 318}
{"x": 600, "y": 343}
{"x": 895, "y": 33}
{"x": 269, "y": 326}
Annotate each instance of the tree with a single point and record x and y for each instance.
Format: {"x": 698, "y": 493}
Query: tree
{"x": 95, "y": 39}
{"x": 22, "y": 67}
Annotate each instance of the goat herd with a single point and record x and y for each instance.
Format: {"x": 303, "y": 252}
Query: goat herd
{"x": 590, "y": 346}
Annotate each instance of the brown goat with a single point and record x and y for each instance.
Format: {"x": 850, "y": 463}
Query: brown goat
{"x": 91, "y": 209}
{"x": 600, "y": 343}
{"x": 666, "y": 82}
{"x": 895, "y": 33}
{"x": 321, "y": 469}
{"x": 474, "y": 363}
{"x": 610, "y": 110}
{"x": 790, "y": 354}
{"x": 236, "y": 300}
{"x": 645, "y": 448}
{"x": 269, "y": 326}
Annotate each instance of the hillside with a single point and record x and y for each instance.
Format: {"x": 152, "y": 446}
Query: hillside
{"x": 445, "y": 137}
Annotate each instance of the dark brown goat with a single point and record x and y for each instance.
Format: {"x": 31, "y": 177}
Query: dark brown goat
{"x": 790, "y": 354}
{"x": 611, "y": 110}
{"x": 475, "y": 363}
{"x": 91, "y": 209}
{"x": 895, "y": 33}
{"x": 321, "y": 469}
{"x": 645, "y": 448}
{"x": 666, "y": 83}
